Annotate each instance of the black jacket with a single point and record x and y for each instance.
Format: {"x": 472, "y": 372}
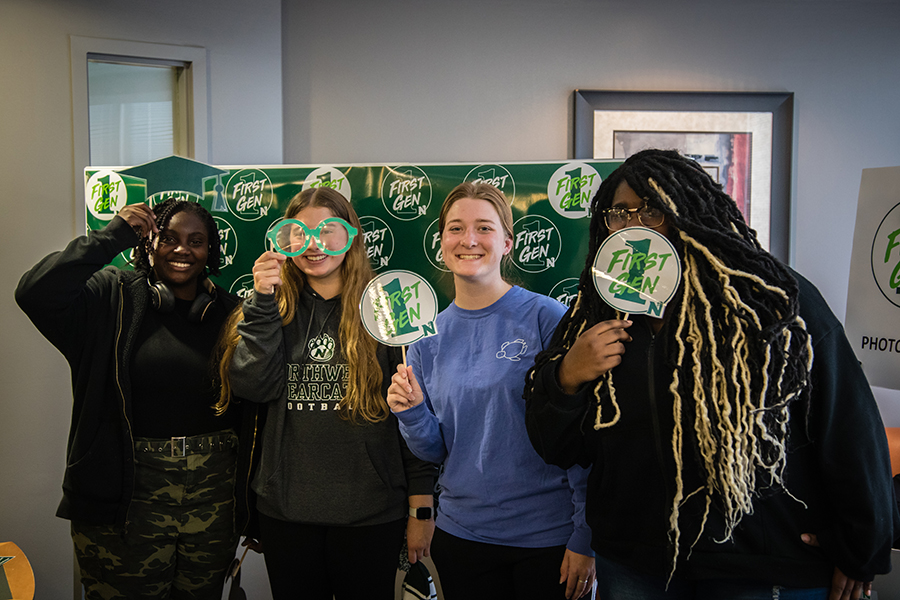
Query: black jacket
{"x": 92, "y": 314}
{"x": 838, "y": 470}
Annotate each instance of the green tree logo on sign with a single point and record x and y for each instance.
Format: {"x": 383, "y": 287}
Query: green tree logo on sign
{"x": 886, "y": 256}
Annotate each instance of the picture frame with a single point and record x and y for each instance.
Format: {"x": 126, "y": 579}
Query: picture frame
{"x": 743, "y": 139}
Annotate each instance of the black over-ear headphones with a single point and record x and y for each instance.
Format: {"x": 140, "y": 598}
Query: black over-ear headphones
{"x": 163, "y": 300}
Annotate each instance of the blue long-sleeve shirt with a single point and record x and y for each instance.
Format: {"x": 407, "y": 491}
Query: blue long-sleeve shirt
{"x": 494, "y": 487}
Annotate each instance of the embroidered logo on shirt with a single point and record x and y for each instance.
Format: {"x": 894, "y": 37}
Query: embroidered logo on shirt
{"x": 513, "y": 350}
{"x": 321, "y": 348}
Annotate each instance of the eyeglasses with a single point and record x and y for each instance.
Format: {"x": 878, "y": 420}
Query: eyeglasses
{"x": 333, "y": 236}
{"x": 618, "y": 217}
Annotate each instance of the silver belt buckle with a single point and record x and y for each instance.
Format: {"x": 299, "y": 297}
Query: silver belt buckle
{"x": 178, "y": 447}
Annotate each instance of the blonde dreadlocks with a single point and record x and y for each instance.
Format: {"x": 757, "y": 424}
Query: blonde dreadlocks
{"x": 741, "y": 352}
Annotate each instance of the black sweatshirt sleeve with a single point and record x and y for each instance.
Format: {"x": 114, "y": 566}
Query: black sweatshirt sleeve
{"x": 555, "y": 421}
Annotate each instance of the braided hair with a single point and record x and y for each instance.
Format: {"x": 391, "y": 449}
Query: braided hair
{"x": 740, "y": 353}
{"x": 164, "y": 212}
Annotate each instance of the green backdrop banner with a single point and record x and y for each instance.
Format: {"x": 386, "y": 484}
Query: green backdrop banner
{"x": 398, "y": 206}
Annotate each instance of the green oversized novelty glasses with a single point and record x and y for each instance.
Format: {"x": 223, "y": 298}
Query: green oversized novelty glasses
{"x": 333, "y": 236}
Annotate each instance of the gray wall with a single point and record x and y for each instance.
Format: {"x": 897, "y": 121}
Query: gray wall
{"x": 419, "y": 81}
{"x": 243, "y": 43}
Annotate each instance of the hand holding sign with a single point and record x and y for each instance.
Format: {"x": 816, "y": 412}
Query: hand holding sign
{"x": 636, "y": 271}
{"x": 404, "y": 391}
{"x": 267, "y": 272}
{"x": 398, "y": 308}
{"x": 141, "y": 218}
{"x": 595, "y": 352}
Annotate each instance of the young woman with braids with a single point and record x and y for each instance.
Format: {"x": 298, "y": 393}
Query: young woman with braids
{"x": 509, "y": 526}
{"x": 335, "y": 482}
{"x": 728, "y": 437}
{"x": 150, "y": 478}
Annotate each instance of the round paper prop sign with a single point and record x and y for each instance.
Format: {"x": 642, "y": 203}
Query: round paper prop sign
{"x": 398, "y": 308}
{"x": 636, "y": 271}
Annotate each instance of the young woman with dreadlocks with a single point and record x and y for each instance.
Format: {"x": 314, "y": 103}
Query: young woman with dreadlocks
{"x": 150, "y": 478}
{"x": 509, "y": 525}
{"x": 725, "y": 438}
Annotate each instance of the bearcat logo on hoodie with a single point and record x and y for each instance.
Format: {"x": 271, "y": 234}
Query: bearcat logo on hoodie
{"x": 321, "y": 348}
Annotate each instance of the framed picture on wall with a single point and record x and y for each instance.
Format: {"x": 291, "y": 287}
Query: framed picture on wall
{"x": 743, "y": 140}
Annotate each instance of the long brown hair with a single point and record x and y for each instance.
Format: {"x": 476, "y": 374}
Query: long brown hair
{"x": 363, "y": 400}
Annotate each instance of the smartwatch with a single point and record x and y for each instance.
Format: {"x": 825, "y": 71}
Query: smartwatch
{"x": 423, "y": 513}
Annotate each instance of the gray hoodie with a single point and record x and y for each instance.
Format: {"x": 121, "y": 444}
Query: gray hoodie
{"x": 316, "y": 467}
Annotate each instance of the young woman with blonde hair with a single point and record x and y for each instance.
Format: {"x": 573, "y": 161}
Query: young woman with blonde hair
{"x": 335, "y": 481}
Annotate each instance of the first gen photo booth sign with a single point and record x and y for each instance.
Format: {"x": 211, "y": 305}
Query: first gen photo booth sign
{"x": 873, "y": 293}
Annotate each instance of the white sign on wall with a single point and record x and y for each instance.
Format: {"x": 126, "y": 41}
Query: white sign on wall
{"x": 873, "y": 296}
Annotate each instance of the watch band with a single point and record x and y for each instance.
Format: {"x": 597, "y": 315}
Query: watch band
{"x": 423, "y": 513}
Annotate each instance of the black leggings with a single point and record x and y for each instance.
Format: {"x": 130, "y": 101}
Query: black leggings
{"x": 316, "y": 562}
{"x": 475, "y": 570}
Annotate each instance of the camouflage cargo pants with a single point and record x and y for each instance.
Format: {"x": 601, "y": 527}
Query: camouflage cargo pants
{"x": 180, "y": 538}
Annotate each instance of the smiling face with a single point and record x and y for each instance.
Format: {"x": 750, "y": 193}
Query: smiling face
{"x": 180, "y": 254}
{"x": 322, "y": 271}
{"x": 473, "y": 241}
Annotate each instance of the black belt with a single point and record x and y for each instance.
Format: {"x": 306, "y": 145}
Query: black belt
{"x": 176, "y": 447}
